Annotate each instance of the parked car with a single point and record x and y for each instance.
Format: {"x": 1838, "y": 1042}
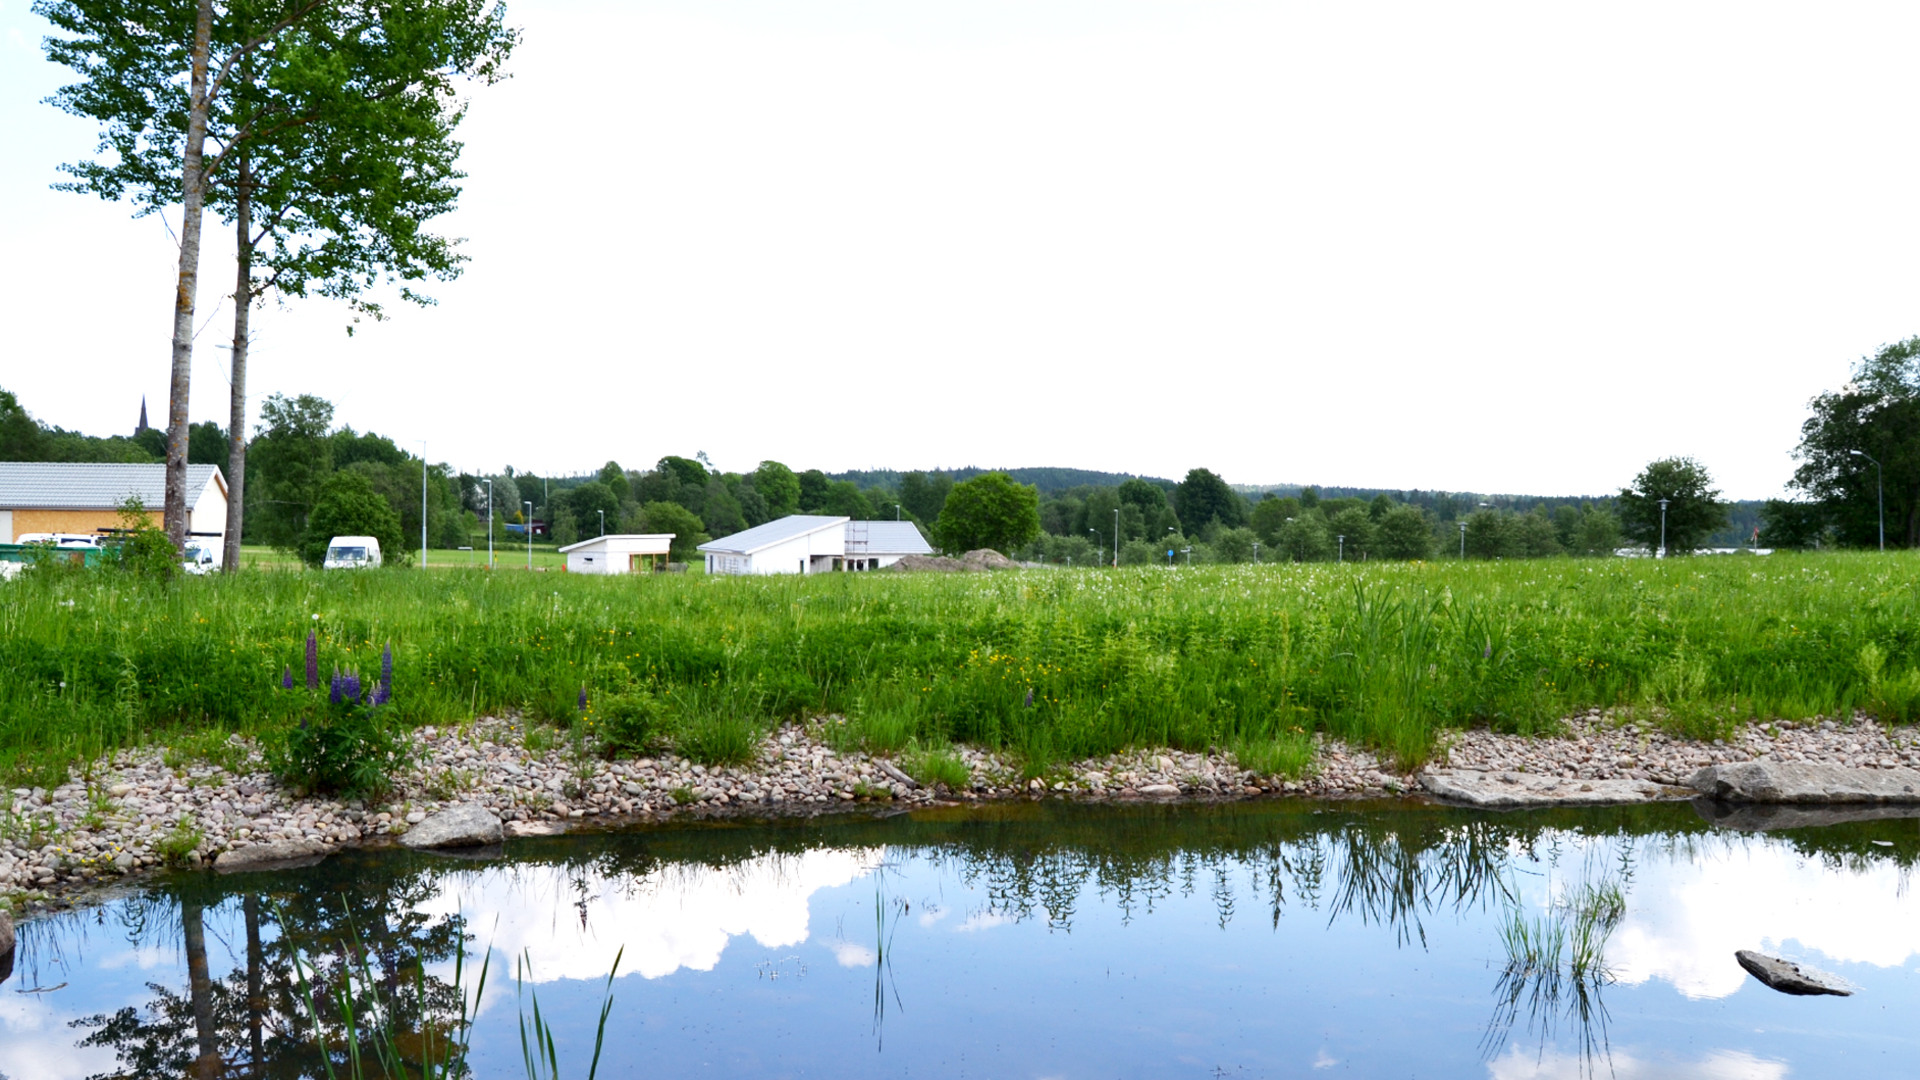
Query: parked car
{"x": 202, "y": 557}
{"x": 351, "y": 552}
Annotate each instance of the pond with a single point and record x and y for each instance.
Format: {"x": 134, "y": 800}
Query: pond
{"x": 1257, "y": 939}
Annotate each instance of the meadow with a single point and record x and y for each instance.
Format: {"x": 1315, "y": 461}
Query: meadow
{"x": 1050, "y": 665}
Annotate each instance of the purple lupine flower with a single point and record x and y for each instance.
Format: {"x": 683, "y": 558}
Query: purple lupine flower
{"x": 380, "y": 695}
{"x": 352, "y": 688}
{"x": 286, "y": 677}
{"x": 1029, "y": 697}
{"x": 313, "y": 661}
{"x": 583, "y": 698}
{"x": 386, "y": 672}
{"x": 335, "y": 688}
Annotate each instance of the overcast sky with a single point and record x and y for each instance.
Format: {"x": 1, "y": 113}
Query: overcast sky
{"x": 1503, "y": 248}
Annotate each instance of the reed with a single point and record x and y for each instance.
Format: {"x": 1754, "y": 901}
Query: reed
{"x": 1053, "y": 665}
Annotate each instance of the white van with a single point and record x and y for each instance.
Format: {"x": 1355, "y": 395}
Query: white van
{"x": 202, "y": 556}
{"x": 350, "y": 552}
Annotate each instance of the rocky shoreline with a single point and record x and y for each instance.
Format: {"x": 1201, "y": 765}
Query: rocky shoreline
{"x": 135, "y": 812}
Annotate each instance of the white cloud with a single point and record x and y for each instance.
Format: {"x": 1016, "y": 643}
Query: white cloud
{"x": 1552, "y": 1065}
{"x": 849, "y": 954}
{"x": 1687, "y": 916}
{"x": 984, "y": 920}
{"x": 678, "y": 916}
{"x": 36, "y": 1040}
{"x": 1324, "y": 1060}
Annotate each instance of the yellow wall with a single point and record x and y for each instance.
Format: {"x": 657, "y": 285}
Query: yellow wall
{"x": 86, "y": 522}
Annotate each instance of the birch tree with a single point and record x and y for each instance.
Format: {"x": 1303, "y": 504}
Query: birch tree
{"x": 331, "y": 125}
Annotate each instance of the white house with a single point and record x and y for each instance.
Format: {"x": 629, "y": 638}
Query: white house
{"x": 811, "y": 544}
{"x": 620, "y": 553}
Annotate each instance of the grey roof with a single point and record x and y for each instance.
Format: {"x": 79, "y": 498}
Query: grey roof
{"x": 64, "y": 485}
{"x": 886, "y": 538}
{"x": 778, "y": 531}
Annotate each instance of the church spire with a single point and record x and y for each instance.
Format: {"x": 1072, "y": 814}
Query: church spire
{"x": 143, "y": 416}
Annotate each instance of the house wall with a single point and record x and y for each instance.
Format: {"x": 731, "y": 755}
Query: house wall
{"x": 209, "y": 515}
{"x": 614, "y": 556}
{"x": 814, "y": 551}
{"x": 86, "y": 522}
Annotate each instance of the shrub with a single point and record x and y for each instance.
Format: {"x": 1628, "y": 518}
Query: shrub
{"x": 627, "y": 721}
{"x": 343, "y": 743}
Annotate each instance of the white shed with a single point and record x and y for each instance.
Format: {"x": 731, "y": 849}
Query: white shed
{"x": 620, "y": 553}
{"x": 810, "y": 544}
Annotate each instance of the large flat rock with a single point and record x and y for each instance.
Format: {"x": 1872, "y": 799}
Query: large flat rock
{"x": 1789, "y": 977}
{"x": 456, "y": 826}
{"x": 1800, "y": 782}
{"x": 278, "y": 855}
{"x": 1769, "y": 817}
{"x": 1504, "y": 790}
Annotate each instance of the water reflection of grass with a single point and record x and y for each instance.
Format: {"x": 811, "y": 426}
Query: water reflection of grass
{"x": 1556, "y": 966}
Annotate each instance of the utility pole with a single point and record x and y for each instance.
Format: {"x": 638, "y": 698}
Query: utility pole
{"x": 423, "y": 504}
{"x": 489, "y": 522}
{"x": 529, "y": 505}
{"x": 1116, "y": 538}
{"x": 1663, "y": 529}
{"x": 1463, "y": 540}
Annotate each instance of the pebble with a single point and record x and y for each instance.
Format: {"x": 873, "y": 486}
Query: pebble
{"x": 53, "y": 843}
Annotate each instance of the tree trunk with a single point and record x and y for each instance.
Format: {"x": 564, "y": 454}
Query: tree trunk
{"x": 256, "y": 996}
{"x": 193, "y": 185}
{"x": 242, "y": 310}
{"x": 206, "y": 1062}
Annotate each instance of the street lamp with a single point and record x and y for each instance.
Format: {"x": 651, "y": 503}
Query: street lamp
{"x": 1098, "y": 549}
{"x": 489, "y": 522}
{"x": 1256, "y": 551}
{"x": 1880, "y": 493}
{"x": 1170, "y": 532}
{"x": 528, "y": 503}
{"x": 603, "y": 521}
{"x": 1116, "y": 538}
{"x": 896, "y": 511}
{"x": 1341, "y": 554}
{"x": 1463, "y": 539}
{"x": 1663, "y": 529}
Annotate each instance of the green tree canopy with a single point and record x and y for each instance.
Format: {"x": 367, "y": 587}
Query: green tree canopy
{"x": 924, "y": 494}
{"x": 779, "y": 487}
{"x": 671, "y": 517}
{"x": 1875, "y": 417}
{"x": 989, "y": 511}
{"x": 349, "y": 506}
{"x": 1403, "y": 533}
{"x": 1693, "y": 510}
{"x": 1203, "y": 498}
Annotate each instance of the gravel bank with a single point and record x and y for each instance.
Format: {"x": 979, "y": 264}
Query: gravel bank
{"x": 135, "y": 812}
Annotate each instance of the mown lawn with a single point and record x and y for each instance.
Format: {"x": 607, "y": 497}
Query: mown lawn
{"x": 1049, "y": 664}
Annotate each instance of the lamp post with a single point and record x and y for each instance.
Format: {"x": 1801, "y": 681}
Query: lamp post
{"x": 528, "y": 503}
{"x": 1256, "y": 551}
{"x": 1098, "y": 549}
{"x": 1663, "y": 529}
{"x": 1880, "y": 493}
{"x": 489, "y": 522}
{"x": 603, "y": 521}
{"x": 1116, "y": 538}
{"x": 1170, "y": 532}
{"x": 896, "y": 511}
{"x": 1463, "y": 540}
{"x": 1340, "y": 554}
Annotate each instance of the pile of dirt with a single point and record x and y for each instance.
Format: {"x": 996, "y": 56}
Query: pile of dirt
{"x": 982, "y": 559}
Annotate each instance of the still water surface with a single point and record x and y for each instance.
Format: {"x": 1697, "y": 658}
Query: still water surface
{"x": 1043, "y": 940}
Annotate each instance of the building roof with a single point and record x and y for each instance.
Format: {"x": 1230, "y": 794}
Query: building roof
{"x": 886, "y": 538}
{"x": 778, "y": 531}
{"x": 664, "y": 538}
{"x": 67, "y": 485}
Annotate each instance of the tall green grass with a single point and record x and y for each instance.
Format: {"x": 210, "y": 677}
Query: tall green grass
{"x": 1050, "y": 665}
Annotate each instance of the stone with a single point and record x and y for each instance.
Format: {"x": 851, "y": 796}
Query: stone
{"x": 535, "y": 828}
{"x": 275, "y": 855}
{"x": 6, "y": 933}
{"x": 1509, "y": 790}
{"x": 457, "y": 826}
{"x": 1800, "y": 782}
{"x": 1769, "y": 817}
{"x": 1159, "y": 790}
{"x": 1789, "y": 977}
{"x": 898, "y": 776}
